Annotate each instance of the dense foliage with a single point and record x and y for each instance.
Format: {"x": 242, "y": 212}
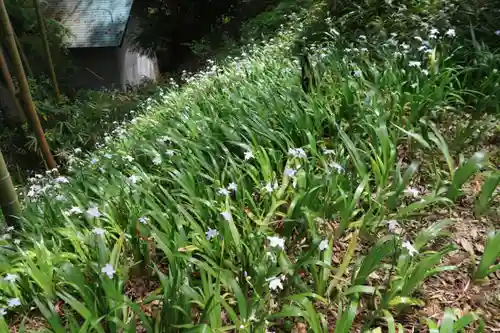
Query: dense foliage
{"x": 243, "y": 202}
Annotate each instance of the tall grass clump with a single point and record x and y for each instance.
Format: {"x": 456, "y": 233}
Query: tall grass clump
{"x": 242, "y": 203}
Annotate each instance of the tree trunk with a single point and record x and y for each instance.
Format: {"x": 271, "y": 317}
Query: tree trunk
{"x": 6, "y": 26}
{"x": 23, "y": 56}
{"x": 18, "y": 116}
{"x": 8, "y": 196}
{"x": 43, "y": 32}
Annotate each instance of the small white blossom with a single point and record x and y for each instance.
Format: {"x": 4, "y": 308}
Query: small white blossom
{"x": 415, "y": 64}
{"x": 290, "y": 172}
{"x": 60, "y": 197}
{"x": 232, "y": 186}
{"x": 323, "y": 245}
{"x": 270, "y": 187}
{"x": 227, "y": 215}
{"x": 109, "y": 270}
{"x": 337, "y": 167}
{"x": 276, "y": 242}
{"x": 297, "y": 152}
{"x": 10, "y": 277}
{"x": 248, "y": 155}
{"x": 329, "y": 152}
{"x": 133, "y": 179}
{"x": 411, "y": 250}
{"x": 3, "y": 311}
{"x": 222, "y": 191}
{"x": 425, "y": 72}
{"x": 128, "y": 158}
{"x": 144, "y": 220}
{"x": 157, "y": 160}
{"x": 108, "y": 156}
{"x": 434, "y": 31}
{"x": 94, "y": 160}
{"x": 275, "y": 284}
{"x": 412, "y": 191}
{"x": 16, "y": 241}
{"x": 13, "y": 302}
{"x": 170, "y": 152}
{"x": 75, "y": 210}
{"x": 450, "y": 33}
{"x": 211, "y": 233}
{"x": 77, "y": 150}
{"x": 393, "y": 226}
{"x": 99, "y": 231}
{"x": 497, "y": 32}
{"x": 93, "y": 212}
{"x": 61, "y": 180}
{"x": 9, "y": 229}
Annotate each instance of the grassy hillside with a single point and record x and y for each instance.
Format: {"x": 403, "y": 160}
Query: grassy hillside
{"x": 241, "y": 202}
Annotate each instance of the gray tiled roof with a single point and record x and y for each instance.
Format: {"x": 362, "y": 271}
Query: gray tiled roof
{"x": 92, "y": 23}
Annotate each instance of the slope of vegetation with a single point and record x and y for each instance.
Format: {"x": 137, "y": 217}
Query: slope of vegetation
{"x": 252, "y": 200}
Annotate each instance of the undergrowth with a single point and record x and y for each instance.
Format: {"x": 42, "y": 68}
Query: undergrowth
{"x": 242, "y": 203}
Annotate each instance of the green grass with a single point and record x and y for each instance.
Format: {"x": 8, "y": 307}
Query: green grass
{"x": 241, "y": 203}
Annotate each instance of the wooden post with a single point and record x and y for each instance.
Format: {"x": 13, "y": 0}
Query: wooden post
{"x": 24, "y": 87}
{"x": 43, "y": 33}
{"x": 10, "y": 86}
{"x": 8, "y": 196}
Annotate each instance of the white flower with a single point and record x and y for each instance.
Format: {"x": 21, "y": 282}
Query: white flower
{"x": 329, "y": 152}
{"x": 405, "y": 46}
{"x": 275, "y": 284}
{"x": 248, "y": 155}
{"x": 434, "y": 31}
{"x": 412, "y": 191}
{"x": 93, "y": 212}
{"x": 128, "y": 158}
{"x": 290, "y": 172}
{"x": 415, "y": 64}
{"x": 61, "y": 180}
{"x": 450, "y": 33}
{"x": 337, "y": 167}
{"x": 497, "y": 32}
{"x": 94, "y": 160}
{"x": 393, "y": 226}
{"x": 133, "y": 179}
{"x": 157, "y": 160}
{"x": 425, "y": 72}
{"x": 170, "y": 152}
{"x": 144, "y": 220}
{"x": 75, "y": 210}
{"x": 13, "y": 302}
{"x": 297, "y": 152}
{"x": 270, "y": 187}
{"x": 16, "y": 241}
{"x": 232, "y": 186}
{"x": 99, "y": 231}
{"x": 222, "y": 191}
{"x": 323, "y": 245}
{"x": 3, "y": 311}
{"x": 60, "y": 197}
{"x": 109, "y": 270}
{"x": 9, "y": 229}
{"x": 211, "y": 233}
{"x": 108, "y": 156}
{"x": 10, "y": 277}
{"x": 414, "y": 85}
{"x": 77, "y": 150}
{"x": 357, "y": 73}
{"x": 411, "y": 250}
{"x": 227, "y": 215}
{"x": 276, "y": 242}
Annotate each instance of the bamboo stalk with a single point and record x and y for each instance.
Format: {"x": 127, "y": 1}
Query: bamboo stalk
{"x": 10, "y": 85}
{"x": 8, "y": 196}
{"x": 23, "y": 56}
{"x": 43, "y": 32}
{"x": 24, "y": 87}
